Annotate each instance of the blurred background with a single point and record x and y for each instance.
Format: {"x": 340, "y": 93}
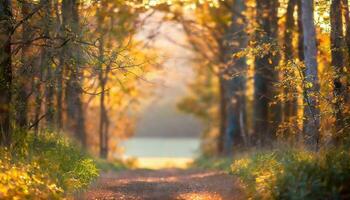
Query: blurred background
{"x": 162, "y": 131}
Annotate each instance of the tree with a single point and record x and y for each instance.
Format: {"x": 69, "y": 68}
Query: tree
{"x": 300, "y": 32}
{"x": 311, "y": 123}
{"x": 48, "y": 69}
{"x": 212, "y": 50}
{"x": 338, "y": 61}
{"x": 266, "y": 111}
{"x": 290, "y": 105}
{"x": 346, "y": 14}
{"x": 234, "y": 92}
{"x": 22, "y": 85}
{"x": 103, "y": 73}
{"x": 59, "y": 68}
{"x": 73, "y": 61}
{"x": 6, "y": 29}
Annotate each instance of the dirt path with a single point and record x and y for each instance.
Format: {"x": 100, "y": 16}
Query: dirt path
{"x": 166, "y": 184}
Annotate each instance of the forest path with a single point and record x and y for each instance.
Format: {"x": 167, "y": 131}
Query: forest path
{"x": 166, "y": 184}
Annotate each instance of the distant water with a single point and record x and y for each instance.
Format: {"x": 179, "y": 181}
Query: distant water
{"x": 161, "y": 147}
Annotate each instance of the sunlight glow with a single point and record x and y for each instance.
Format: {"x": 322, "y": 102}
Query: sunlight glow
{"x": 160, "y": 163}
{"x": 200, "y": 196}
{"x": 188, "y": 4}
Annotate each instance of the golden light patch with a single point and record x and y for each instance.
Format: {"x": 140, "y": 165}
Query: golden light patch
{"x": 199, "y": 196}
{"x": 161, "y": 163}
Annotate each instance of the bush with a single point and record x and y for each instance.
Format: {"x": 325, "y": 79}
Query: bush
{"x": 296, "y": 174}
{"x": 47, "y": 166}
{"x": 25, "y": 181}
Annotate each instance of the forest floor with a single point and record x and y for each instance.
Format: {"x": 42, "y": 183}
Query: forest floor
{"x": 165, "y": 184}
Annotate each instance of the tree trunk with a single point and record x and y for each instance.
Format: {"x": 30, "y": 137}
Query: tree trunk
{"x": 102, "y": 128}
{"x": 49, "y": 80}
{"x": 22, "y": 84}
{"x": 38, "y": 98}
{"x": 220, "y": 143}
{"x": 75, "y": 114}
{"x": 311, "y": 123}
{"x": 5, "y": 70}
{"x": 59, "y": 70}
{"x": 347, "y": 86}
{"x": 266, "y": 117}
{"x": 236, "y": 40}
{"x": 103, "y": 77}
{"x": 337, "y": 63}
{"x": 290, "y": 106}
{"x": 347, "y": 24}
{"x": 300, "y": 32}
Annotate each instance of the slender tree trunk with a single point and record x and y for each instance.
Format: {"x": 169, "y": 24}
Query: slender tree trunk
{"x": 50, "y": 88}
{"x": 38, "y": 99}
{"x": 290, "y": 106}
{"x": 103, "y": 77}
{"x": 38, "y": 91}
{"x": 44, "y": 65}
{"x": 59, "y": 94}
{"x": 5, "y": 70}
{"x": 222, "y": 108}
{"x": 75, "y": 113}
{"x": 289, "y": 26}
{"x": 276, "y": 107}
{"x": 78, "y": 77}
{"x": 22, "y": 84}
{"x": 311, "y": 105}
{"x": 59, "y": 70}
{"x": 266, "y": 117}
{"x": 102, "y": 127}
{"x": 347, "y": 24}
{"x": 337, "y": 63}
{"x": 300, "y": 32}
{"x": 236, "y": 40}
{"x": 48, "y": 68}
{"x": 347, "y": 86}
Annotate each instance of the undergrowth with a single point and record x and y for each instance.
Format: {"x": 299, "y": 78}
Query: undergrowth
{"x": 115, "y": 165}
{"x": 218, "y": 163}
{"x": 44, "y": 166}
{"x": 296, "y": 174}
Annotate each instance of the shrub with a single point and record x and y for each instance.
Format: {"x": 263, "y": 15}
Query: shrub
{"x": 25, "y": 181}
{"x": 47, "y": 166}
{"x": 296, "y": 174}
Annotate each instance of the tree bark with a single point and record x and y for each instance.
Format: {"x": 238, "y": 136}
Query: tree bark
{"x": 5, "y": 70}
{"x": 48, "y": 68}
{"x": 75, "y": 113}
{"x": 337, "y": 63}
{"x": 311, "y": 123}
{"x": 236, "y": 41}
{"x": 222, "y": 108}
{"x": 22, "y": 85}
{"x": 300, "y": 32}
{"x": 59, "y": 70}
{"x": 290, "y": 105}
{"x": 103, "y": 73}
{"x": 346, "y": 13}
{"x": 347, "y": 24}
{"x": 266, "y": 113}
